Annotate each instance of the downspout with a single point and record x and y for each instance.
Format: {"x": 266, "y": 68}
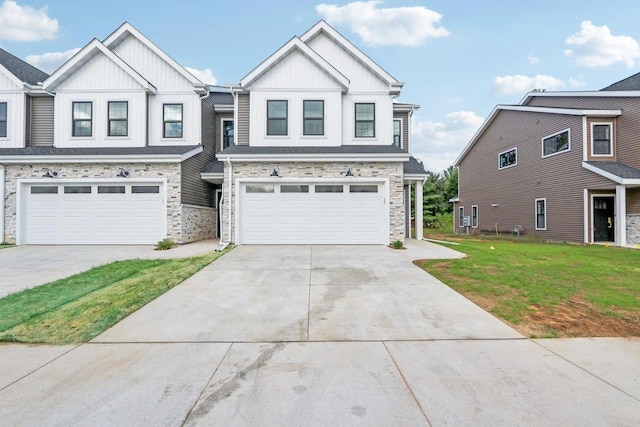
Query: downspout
{"x": 2, "y": 185}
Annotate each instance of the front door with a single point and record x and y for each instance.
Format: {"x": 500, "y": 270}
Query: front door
{"x": 603, "y": 220}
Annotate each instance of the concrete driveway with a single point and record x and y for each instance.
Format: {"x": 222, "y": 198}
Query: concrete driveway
{"x": 320, "y": 335}
{"x": 24, "y": 267}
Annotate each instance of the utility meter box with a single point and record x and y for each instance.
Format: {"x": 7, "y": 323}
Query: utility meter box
{"x": 466, "y": 221}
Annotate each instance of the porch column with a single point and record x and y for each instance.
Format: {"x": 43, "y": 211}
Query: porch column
{"x": 419, "y": 207}
{"x": 408, "y": 215}
{"x": 621, "y": 215}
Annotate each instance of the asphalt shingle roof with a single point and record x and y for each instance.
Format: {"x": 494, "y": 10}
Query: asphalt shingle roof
{"x": 214, "y": 167}
{"x": 618, "y": 169}
{"x": 22, "y": 70}
{"x": 96, "y": 151}
{"x": 414, "y": 167}
{"x": 630, "y": 83}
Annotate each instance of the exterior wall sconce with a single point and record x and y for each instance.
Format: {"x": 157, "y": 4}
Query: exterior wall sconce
{"x": 274, "y": 173}
{"x": 348, "y": 173}
{"x": 123, "y": 173}
{"x": 50, "y": 173}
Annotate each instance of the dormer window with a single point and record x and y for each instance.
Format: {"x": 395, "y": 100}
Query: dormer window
{"x": 365, "y": 120}
{"x": 3, "y": 119}
{"x": 277, "y": 117}
{"x": 82, "y": 119}
{"x": 601, "y": 139}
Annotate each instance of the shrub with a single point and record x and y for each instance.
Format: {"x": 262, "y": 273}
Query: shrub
{"x": 165, "y": 244}
{"x": 398, "y": 244}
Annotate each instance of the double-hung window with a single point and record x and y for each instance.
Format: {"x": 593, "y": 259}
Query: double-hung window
{"x": 227, "y": 133}
{"x": 461, "y": 216}
{"x": 556, "y": 143}
{"x": 277, "y": 113}
{"x": 474, "y": 216}
{"x": 172, "y": 120}
{"x": 82, "y": 117}
{"x": 365, "y": 122}
{"x": 397, "y": 132}
{"x": 601, "y": 140}
{"x": 3, "y": 119}
{"x": 508, "y": 158}
{"x": 118, "y": 112}
{"x": 541, "y": 214}
{"x": 313, "y": 113}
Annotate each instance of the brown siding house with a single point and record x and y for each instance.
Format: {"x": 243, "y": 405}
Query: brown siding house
{"x": 564, "y": 166}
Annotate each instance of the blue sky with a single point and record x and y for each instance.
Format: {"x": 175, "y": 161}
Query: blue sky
{"x": 458, "y": 59}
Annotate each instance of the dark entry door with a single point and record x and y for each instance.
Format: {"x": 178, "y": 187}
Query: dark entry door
{"x": 603, "y": 220}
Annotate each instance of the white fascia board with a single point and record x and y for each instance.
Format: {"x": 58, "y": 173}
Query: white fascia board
{"x": 215, "y": 178}
{"x": 112, "y": 158}
{"x": 353, "y": 50}
{"x": 294, "y": 43}
{"x": 11, "y": 76}
{"x": 223, "y": 108}
{"x": 608, "y": 175}
{"x": 595, "y": 94}
{"x": 405, "y": 107}
{"x": 126, "y": 27}
{"x": 415, "y": 176}
{"x": 454, "y": 200}
{"x": 94, "y": 45}
{"x": 320, "y": 157}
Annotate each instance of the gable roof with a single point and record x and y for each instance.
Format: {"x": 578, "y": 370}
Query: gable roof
{"x": 322, "y": 27}
{"x": 615, "y": 171}
{"x": 630, "y": 83}
{"x": 126, "y": 29}
{"x": 20, "y": 70}
{"x": 82, "y": 57}
{"x": 295, "y": 44}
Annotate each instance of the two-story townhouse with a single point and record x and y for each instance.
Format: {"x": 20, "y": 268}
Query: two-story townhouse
{"x": 321, "y": 152}
{"x": 564, "y": 166}
{"x": 108, "y": 149}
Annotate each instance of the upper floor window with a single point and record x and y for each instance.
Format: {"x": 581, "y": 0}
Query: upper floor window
{"x": 313, "y": 113}
{"x": 172, "y": 119}
{"x": 277, "y": 117}
{"x": 365, "y": 120}
{"x": 227, "y": 133}
{"x": 556, "y": 143}
{"x": 397, "y": 132}
{"x": 3, "y": 119}
{"x": 601, "y": 140}
{"x": 82, "y": 119}
{"x": 118, "y": 118}
{"x": 508, "y": 158}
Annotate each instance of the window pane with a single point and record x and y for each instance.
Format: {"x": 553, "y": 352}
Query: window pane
{"x": 601, "y": 147}
{"x": 3, "y": 129}
{"x": 145, "y": 189}
{"x": 3, "y": 111}
{"x": 364, "y": 129}
{"x": 365, "y": 111}
{"x": 329, "y": 188}
{"x": 118, "y": 128}
{"x": 601, "y": 132}
{"x": 227, "y": 133}
{"x": 118, "y": 110}
{"x": 601, "y": 139}
{"x": 508, "y": 158}
{"x": 257, "y": 188}
{"x": 111, "y": 189}
{"x": 173, "y": 112}
{"x": 77, "y": 189}
{"x": 294, "y": 188}
{"x": 277, "y": 109}
{"x": 82, "y": 110}
{"x": 313, "y": 109}
{"x": 363, "y": 188}
{"x": 277, "y": 127}
{"x": 44, "y": 190}
{"x": 82, "y": 128}
{"x": 313, "y": 127}
{"x": 173, "y": 130}
{"x": 556, "y": 143}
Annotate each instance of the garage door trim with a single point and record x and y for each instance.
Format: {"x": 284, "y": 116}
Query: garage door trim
{"x": 23, "y": 185}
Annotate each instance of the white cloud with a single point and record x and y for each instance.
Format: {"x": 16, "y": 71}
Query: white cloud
{"x": 438, "y": 144}
{"x": 577, "y": 81}
{"x": 376, "y": 26}
{"x": 205, "y": 76}
{"x": 25, "y": 23}
{"x": 533, "y": 59}
{"x": 48, "y": 62}
{"x": 509, "y": 85}
{"x": 594, "y": 46}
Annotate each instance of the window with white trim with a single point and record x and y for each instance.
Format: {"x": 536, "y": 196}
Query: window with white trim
{"x": 118, "y": 112}
{"x": 82, "y": 118}
{"x": 461, "y": 216}
{"x": 365, "y": 122}
{"x": 277, "y": 117}
{"x": 172, "y": 120}
{"x": 541, "y": 214}
{"x": 227, "y": 133}
{"x": 397, "y": 132}
{"x": 601, "y": 139}
{"x": 313, "y": 117}
{"x": 474, "y": 216}
{"x": 3, "y": 119}
{"x": 508, "y": 158}
{"x": 556, "y": 143}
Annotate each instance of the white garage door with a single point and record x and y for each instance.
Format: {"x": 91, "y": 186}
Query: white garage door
{"x": 312, "y": 213}
{"x": 93, "y": 213}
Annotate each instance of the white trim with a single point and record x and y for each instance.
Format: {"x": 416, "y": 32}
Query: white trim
{"x": 612, "y": 177}
{"x": 577, "y": 94}
{"x": 401, "y": 130}
{"x": 308, "y": 157}
{"x": 13, "y": 78}
{"x": 535, "y": 214}
{"x": 415, "y": 177}
{"x": 419, "y": 218}
{"x": 477, "y": 216}
{"x": 507, "y": 151}
{"x": 22, "y": 184}
{"x": 620, "y": 215}
{"x": 460, "y": 216}
{"x": 568, "y": 130}
{"x": 611, "y": 195}
{"x": 611, "y": 139}
{"x": 585, "y": 213}
{"x": 2, "y": 203}
{"x": 107, "y": 158}
{"x": 584, "y": 139}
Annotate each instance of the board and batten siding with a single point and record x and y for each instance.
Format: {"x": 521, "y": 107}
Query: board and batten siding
{"x": 194, "y": 190}
{"x": 41, "y": 121}
{"x": 627, "y": 126}
{"x": 507, "y": 197}
{"x": 15, "y": 120}
{"x": 242, "y": 128}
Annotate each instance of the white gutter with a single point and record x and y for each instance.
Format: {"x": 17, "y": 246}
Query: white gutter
{"x": 2, "y": 186}
{"x": 336, "y": 157}
{"x": 110, "y": 158}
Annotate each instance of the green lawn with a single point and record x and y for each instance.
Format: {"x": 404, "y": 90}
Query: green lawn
{"x": 80, "y": 307}
{"x": 549, "y": 289}
{"x": 5, "y": 246}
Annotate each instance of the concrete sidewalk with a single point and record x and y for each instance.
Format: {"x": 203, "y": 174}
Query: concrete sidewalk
{"x": 315, "y": 336}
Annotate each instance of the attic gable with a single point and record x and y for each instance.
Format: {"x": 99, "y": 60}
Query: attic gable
{"x": 18, "y": 71}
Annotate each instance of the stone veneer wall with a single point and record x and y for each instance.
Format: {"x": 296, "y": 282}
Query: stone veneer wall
{"x": 170, "y": 171}
{"x": 309, "y": 170}
{"x": 633, "y": 229}
{"x": 198, "y": 223}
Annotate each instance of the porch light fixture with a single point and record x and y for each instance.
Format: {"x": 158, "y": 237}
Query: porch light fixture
{"x": 348, "y": 173}
{"x": 123, "y": 173}
{"x": 274, "y": 173}
{"x": 50, "y": 174}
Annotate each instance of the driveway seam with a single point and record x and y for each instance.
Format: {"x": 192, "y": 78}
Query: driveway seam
{"x": 585, "y": 370}
{"x": 406, "y": 383}
{"x": 309, "y": 294}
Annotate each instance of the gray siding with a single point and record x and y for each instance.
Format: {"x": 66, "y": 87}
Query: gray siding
{"x": 41, "y": 121}
{"x": 242, "y": 127}
{"x": 405, "y": 128}
{"x": 218, "y": 133}
{"x": 195, "y": 191}
{"x": 27, "y": 127}
{"x": 560, "y": 179}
